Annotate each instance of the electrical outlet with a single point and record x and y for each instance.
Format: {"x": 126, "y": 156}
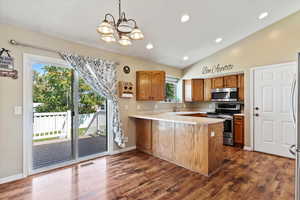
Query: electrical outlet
{"x": 155, "y": 106}
{"x": 138, "y": 107}
{"x": 125, "y": 139}
{"x": 126, "y": 107}
{"x": 212, "y": 134}
{"x": 18, "y": 110}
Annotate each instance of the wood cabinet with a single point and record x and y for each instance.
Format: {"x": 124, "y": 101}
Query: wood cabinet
{"x": 230, "y": 81}
{"x": 193, "y": 90}
{"x": 207, "y": 89}
{"x": 144, "y": 135}
{"x": 241, "y": 87}
{"x": 150, "y": 85}
{"x": 190, "y": 146}
{"x": 218, "y": 82}
{"x": 238, "y": 130}
{"x": 164, "y": 139}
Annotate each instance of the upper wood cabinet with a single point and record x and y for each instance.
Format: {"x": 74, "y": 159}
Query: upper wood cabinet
{"x": 193, "y": 90}
{"x": 217, "y": 82}
{"x": 230, "y": 81}
{"x": 207, "y": 89}
{"x": 241, "y": 87}
{"x": 150, "y": 85}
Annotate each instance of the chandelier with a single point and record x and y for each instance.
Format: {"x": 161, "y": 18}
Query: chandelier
{"x": 123, "y": 30}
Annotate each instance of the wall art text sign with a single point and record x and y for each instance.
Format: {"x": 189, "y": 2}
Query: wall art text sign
{"x": 216, "y": 68}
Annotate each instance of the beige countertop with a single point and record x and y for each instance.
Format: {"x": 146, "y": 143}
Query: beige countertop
{"x": 176, "y": 117}
{"x": 239, "y": 114}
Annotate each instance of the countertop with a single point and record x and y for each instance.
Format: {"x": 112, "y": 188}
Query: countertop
{"x": 176, "y": 117}
{"x": 239, "y": 114}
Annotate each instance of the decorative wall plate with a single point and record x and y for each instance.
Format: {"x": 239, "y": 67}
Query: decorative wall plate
{"x": 126, "y": 69}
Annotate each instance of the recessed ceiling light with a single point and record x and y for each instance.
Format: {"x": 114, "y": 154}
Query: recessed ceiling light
{"x": 185, "y": 18}
{"x": 218, "y": 40}
{"x": 263, "y": 15}
{"x": 185, "y": 58}
{"x": 149, "y": 46}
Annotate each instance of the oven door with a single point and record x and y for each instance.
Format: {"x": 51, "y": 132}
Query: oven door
{"x": 228, "y": 138}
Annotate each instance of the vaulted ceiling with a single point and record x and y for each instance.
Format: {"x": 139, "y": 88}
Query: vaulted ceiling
{"x": 77, "y": 20}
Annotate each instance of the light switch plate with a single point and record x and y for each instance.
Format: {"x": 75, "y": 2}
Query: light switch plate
{"x": 18, "y": 110}
{"x": 212, "y": 134}
{"x": 126, "y": 107}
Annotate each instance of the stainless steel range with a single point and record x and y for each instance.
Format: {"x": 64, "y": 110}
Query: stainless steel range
{"x": 226, "y": 111}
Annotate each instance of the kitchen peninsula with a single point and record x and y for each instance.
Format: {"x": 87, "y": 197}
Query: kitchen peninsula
{"x": 195, "y": 143}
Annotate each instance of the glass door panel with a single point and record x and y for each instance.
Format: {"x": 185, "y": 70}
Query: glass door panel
{"x": 92, "y": 133}
{"x": 52, "y": 140}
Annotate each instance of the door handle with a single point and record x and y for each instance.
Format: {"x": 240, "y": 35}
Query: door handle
{"x": 256, "y": 108}
{"x": 256, "y": 115}
{"x": 292, "y": 100}
{"x": 292, "y": 149}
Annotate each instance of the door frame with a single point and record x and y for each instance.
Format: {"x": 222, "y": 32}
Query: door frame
{"x": 28, "y": 60}
{"x": 252, "y": 96}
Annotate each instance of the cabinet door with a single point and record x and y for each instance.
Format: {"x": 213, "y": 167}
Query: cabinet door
{"x": 184, "y": 144}
{"x": 197, "y": 89}
{"x": 158, "y": 79}
{"x": 230, "y": 81}
{"x": 239, "y": 130}
{"x": 144, "y": 134}
{"x": 187, "y": 90}
{"x": 193, "y": 90}
{"x": 217, "y": 82}
{"x": 143, "y": 85}
{"x": 241, "y": 86}
{"x": 207, "y": 89}
{"x": 164, "y": 139}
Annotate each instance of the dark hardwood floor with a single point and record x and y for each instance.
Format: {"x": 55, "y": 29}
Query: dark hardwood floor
{"x": 138, "y": 176}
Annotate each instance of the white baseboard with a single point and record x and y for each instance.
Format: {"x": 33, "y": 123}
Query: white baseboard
{"x": 123, "y": 150}
{"x": 248, "y": 148}
{"x": 11, "y": 178}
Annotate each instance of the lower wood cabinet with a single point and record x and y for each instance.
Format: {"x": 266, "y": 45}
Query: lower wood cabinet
{"x": 190, "y": 146}
{"x": 163, "y": 134}
{"x": 238, "y": 130}
{"x": 144, "y": 135}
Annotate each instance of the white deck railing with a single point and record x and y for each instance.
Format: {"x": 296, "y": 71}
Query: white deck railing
{"x": 59, "y": 124}
{"x": 51, "y": 125}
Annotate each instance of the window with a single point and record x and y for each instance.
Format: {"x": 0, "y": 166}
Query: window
{"x": 171, "y": 89}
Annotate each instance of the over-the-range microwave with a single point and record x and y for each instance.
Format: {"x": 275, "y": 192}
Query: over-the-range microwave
{"x": 224, "y": 94}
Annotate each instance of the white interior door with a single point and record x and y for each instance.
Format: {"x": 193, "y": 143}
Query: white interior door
{"x": 274, "y": 130}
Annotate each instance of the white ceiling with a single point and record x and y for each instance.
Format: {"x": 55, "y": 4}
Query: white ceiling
{"x": 77, "y": 20}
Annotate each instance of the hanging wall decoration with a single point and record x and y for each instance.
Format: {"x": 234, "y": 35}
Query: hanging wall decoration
{"x": 7, "y": 65}
{"x": 6, "y": 61}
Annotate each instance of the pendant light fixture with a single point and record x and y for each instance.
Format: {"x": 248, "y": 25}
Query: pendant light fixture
{"x": 123, "y": 30}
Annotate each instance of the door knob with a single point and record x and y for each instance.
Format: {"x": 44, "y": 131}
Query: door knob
{"x": 292, "y": 149}
{"x": 256, "y": 108}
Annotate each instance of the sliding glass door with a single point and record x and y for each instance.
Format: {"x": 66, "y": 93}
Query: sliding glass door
{"x": 52, "y": 138}
{"x": 92, "y": 130}
{"x": 69, "y": 118}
